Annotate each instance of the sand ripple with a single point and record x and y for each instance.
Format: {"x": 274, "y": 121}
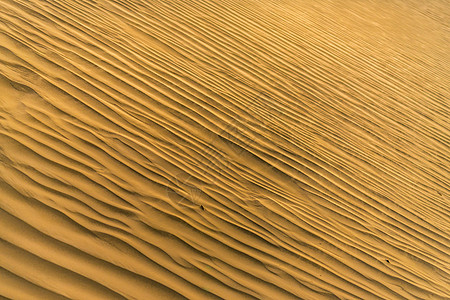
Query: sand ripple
{"x": 224, "y": 149}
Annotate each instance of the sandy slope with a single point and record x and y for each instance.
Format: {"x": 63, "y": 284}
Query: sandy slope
{"x": 224, "y": 149}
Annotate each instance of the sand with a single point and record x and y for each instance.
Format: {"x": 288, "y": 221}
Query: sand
{"x": 224, "y": 149}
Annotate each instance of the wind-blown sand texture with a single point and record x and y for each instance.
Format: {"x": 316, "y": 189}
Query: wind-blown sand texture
{"x": 271, "y": 149}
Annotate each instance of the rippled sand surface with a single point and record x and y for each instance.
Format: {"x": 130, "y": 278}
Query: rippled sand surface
{"x": 271, "y": 149}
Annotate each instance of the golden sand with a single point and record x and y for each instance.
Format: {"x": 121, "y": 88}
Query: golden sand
{"x": 270, "y": 149}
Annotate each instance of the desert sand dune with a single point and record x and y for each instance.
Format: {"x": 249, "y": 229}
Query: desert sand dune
{"x": 224, "y": 149}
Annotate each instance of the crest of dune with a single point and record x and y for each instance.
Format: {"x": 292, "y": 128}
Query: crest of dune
{"x": 260, "y": 149}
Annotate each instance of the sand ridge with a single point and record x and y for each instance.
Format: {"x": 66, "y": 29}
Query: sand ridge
{"x": 224, "y": 149}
